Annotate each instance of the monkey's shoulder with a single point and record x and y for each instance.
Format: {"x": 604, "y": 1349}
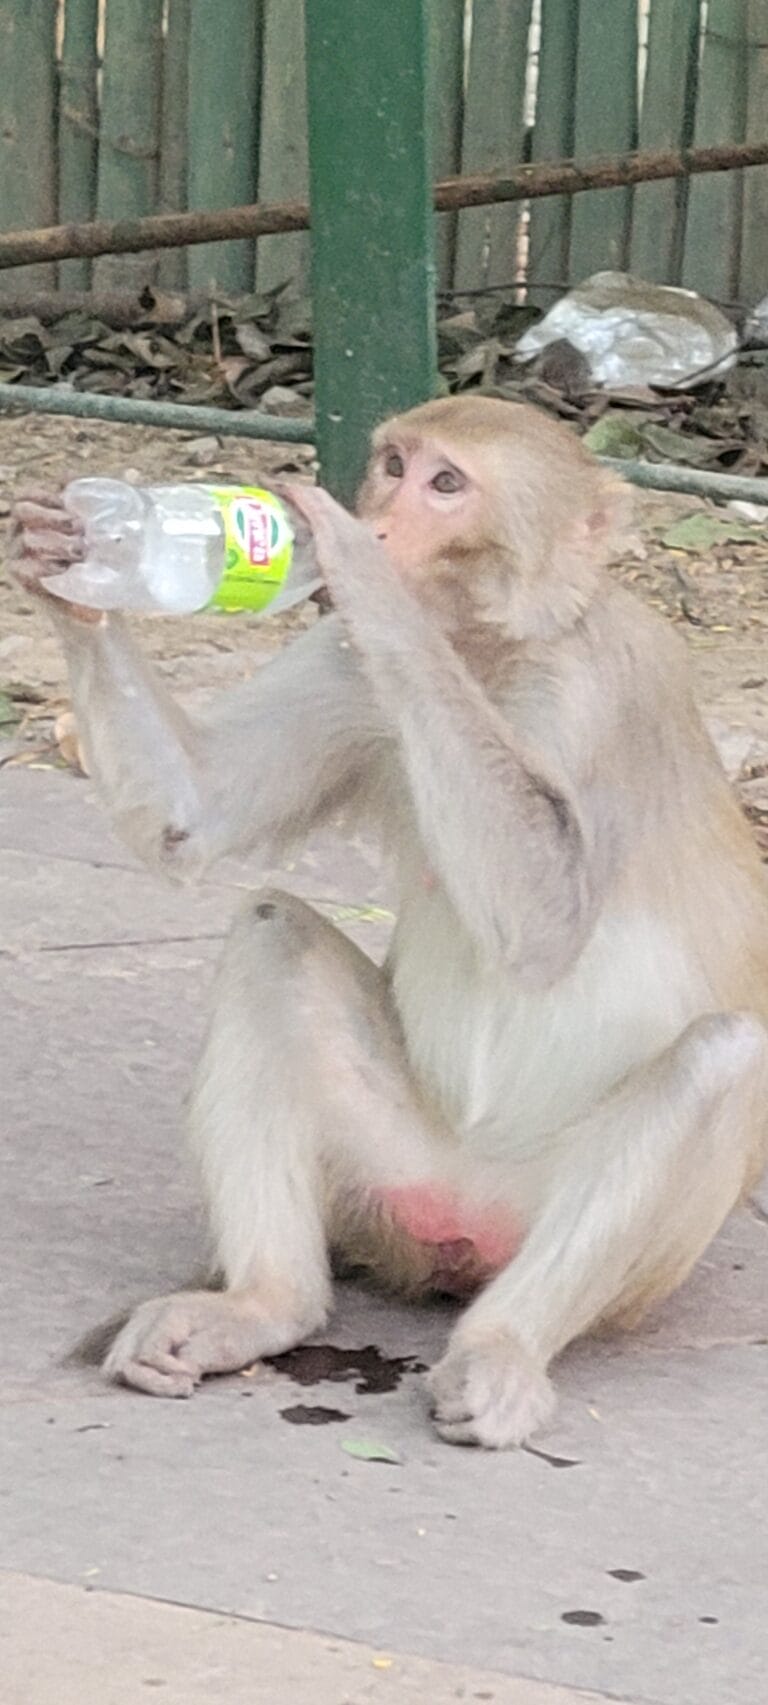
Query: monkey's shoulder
{"x": 617, "y": 657}
{"x": 610, "y": 698}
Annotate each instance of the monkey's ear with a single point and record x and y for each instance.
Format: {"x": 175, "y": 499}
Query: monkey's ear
{"x": 605, "y": 528}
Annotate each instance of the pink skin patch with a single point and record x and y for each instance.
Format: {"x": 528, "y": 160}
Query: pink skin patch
{"x": 471, "y": 1244}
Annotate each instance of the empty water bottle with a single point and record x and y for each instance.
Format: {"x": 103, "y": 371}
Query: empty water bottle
{"x": 180, "y": 548}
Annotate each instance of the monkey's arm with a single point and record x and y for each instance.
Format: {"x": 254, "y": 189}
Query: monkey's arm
{"x": 272, "y": 758}
{"x": 505, "y": 834}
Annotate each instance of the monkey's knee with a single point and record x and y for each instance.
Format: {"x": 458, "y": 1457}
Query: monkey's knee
{"x": 279, "y": 910}
{"x": 285, "y": 954}
{"x": 723, "y": 1050}
{"x": 272, "y": 928}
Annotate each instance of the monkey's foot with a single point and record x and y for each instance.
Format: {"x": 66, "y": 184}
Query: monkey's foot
{"x": 490, "y": 1392}
{"x": 169, "y": 1344}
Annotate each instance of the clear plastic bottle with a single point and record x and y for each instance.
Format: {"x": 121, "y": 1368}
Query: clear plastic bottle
{"x": 180, "y": 548}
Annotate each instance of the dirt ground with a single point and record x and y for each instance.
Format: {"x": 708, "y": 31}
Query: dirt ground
{"x": 718, "y": 601}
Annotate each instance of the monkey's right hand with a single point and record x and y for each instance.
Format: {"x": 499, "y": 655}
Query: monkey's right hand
{"x": 169, "y": 1344}
{"x": 46, "y": 540}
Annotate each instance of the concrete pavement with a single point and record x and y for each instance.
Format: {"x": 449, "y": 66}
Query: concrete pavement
{"x": 628, "y": 1558}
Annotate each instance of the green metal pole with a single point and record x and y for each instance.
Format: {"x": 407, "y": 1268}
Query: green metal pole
{"x": 372, "y": 224}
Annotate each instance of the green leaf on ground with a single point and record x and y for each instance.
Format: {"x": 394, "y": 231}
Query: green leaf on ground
{"x": 690, "y": 448}
{"x": 366, "y": 1451}
{"x": 613, "y": 435}
{"x": 700, "y": 531}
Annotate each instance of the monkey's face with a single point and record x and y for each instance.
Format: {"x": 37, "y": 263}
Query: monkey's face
{"x": 492, "y": 511}
{"x": 423, "y": 500}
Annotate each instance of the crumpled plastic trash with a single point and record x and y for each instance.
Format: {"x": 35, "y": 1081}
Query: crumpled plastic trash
{"x": 635, "y": 333}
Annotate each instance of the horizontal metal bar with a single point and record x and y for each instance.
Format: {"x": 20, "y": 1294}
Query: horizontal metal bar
{"x": 664, "y": 476}
{"x": 485, "y": 189}
{"x": 247, "y": 423}
{"x": 182, "y": 417}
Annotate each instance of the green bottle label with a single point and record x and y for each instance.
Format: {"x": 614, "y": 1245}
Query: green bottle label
{"x": 259, "y": 548}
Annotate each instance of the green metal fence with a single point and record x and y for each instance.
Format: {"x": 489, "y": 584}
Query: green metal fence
{"x": 120, "y": 107}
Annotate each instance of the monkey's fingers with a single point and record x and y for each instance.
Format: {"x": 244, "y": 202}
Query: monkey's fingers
{"x": 330, "y": 523}
{"x": 48, "y": 547}
{"x": 152, "y": 1351}
{"x": 163, "y": 1376}
{"x": 40, "y": 493}
{"x": 39, "y": 510}
{"x": 312, "y": 501}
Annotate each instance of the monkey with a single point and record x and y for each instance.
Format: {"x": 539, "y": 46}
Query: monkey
{"x": 555, "y": 1089}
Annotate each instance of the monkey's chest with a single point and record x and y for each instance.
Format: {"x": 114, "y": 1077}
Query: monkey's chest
{"x": 506, "y": 1064}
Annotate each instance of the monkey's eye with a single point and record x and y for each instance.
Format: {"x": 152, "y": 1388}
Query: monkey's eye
{"x": 394, "y": 465}
{"x": 447, "y": 480}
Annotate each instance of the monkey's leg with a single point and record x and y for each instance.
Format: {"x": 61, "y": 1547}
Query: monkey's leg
{"x": 303, "y": 1116}
{"x": 636, "y": 1192}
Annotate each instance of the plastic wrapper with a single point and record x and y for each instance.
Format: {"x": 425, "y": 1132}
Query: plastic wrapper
{"x": 634, "y": 333}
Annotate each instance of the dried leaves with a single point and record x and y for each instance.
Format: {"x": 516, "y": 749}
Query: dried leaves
{"x": 221, "y": 353}
{"x": 48, "y": 725}
{"x": 257, "y": 351}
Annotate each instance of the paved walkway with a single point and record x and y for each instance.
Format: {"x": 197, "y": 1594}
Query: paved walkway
{"x": 626, "y": 1558}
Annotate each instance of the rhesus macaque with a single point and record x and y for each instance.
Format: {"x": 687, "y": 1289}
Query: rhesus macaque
{"x": 557, "y": 1088}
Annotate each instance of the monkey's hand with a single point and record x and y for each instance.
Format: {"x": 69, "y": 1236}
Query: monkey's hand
{"x": 348, "y": 552}
{"x": 45, "y": 541}
{"x": 169, "y": 1344}
{"x": 489, "y": 1391}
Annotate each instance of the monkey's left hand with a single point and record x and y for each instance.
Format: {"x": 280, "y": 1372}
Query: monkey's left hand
{"x": 487, "y": 1390}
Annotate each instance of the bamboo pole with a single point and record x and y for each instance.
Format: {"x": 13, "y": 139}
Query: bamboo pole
{"x": 78, "y": 129}
{"x": 129, "y": 127}
{"x": 445, "y": 23}
{"x": 493, "y": 133}
{"x": 284, "y": 142}
{"x": 115, "y": 307}
{"x": 224, "y": 99}
{"x": 527, "y": 183}
{"x": 667, "y": 120}
{"x": 172, "y": 179}
{"x": 714, "y": 217}
{"x": 553, "y": 131}
{"x": 27, "y": 107}
{"x": 605, "y": 118}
